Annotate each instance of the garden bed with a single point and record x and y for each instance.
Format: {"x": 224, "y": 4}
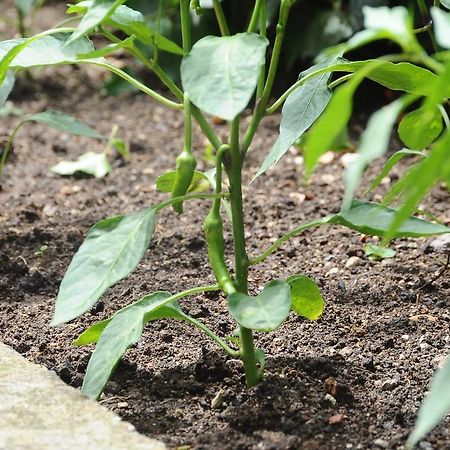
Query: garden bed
{"x": 353, "y": 379}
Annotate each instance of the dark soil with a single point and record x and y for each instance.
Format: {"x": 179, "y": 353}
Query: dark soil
{"x": 373, "y": 352}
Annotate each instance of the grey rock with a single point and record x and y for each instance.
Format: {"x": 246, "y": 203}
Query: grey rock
{"x": 440, "y": 245}
{"x": 38, "y": 411}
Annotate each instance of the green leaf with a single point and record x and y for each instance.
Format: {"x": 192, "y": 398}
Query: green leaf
{"x": 441, "y": 22}
{"x": 96, "y": 164}
{"x": 420, "y": 128}
{"x": 390, "y": 163}
{"x": 25, "y": 6}
{"x": 378, "y": 252}
{"x": 418, "y": 181}
{"x": 133, "y": 22}
{"x": 394, "y": 21}
{"x": 446, "y": 3}
{"x": 112, "y": 249}
{"x": 375, "y": 219}
{"x": 165, "y": 182}
{"x": 374, "y": 143}
{"x": 124, "y": 330}
{"x": 97, "y": 12}
{"x": 63, "y": 122}
{"x": 6, "y": 87}
{"x": 307, "y": 301}
{"x": 300, "y": 111}
{"x": 41, "y": 51}
{"x": 165, "y": 311}
{"x": 265, "y": 312}
{"x": 333, "y": 120}
{"x": 435, "y": 406}
{"x": 220, "y": 73}
{"x": 108, "y": 49}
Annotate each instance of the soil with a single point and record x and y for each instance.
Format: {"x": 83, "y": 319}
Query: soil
{"x": 354, "y": 379}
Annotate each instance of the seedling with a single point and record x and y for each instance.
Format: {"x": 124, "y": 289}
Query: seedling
{"x": 220, "y": 76}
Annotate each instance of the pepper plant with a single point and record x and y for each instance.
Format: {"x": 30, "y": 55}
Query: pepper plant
{"x": 220, "y": 77}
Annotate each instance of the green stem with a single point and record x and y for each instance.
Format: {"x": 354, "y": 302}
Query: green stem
{"x": 263, "y": 33}
{"x": 255, "y": 16}
{"x": 8, "y": 145}
{"x": 213, "y": 336}
{"x": 185, "y": 26}
{"x": 150, "y": 92}
{"x": 252, "y": 374}
{"x": 221, "y": 20}
{"x": 261, "y": 107}
{"x": 295, "y": 232}
{"x": 340, "y": 80}
{"x": 187, "y": 124}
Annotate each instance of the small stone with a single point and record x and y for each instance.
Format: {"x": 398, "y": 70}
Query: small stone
{"x": 336, "y": 419}
{"x": 405, "y": 337}
{"x": 440, "y": 245}
{"x": 352, "y": 261}
{"x": 327, "y": 157}
{"x": 217, "y": 401}
{"x": 346, "y": 351}
{"x": 122, "y": 405}
{"x": 381, "y": 443}
{"x": 425, "y": 445}
{"x": 390, "y": 385}
{"x": 348, "y": 158}
{"x": 332, "y": 271}
{"x": 330, "y": 399}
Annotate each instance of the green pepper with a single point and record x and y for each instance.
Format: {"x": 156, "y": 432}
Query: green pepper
{"x": 213, "y": 228}
{"x": 186, "y": 164}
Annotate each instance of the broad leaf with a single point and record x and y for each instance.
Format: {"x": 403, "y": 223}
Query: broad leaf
{"x": 112, "y": 249}
{"x": 333, "y": 120}
{"x": 96, "y": 164}
{"x": 374, "y": 143}
{"x": 165, "y": 182}
{"x": 43, "y": 51}
{"x": 97, "y": 12}
{"x": 375, "y": 219}
{"x": 265, "y": 312}
{"x": 446, "y": 3}
{"x": 378, "y": 252}
{"x": 420, "y": 128}
{"x": 6, "y": 87}
{"x": 25, "y": 6}
{"x": 418, "y": 181}
{"x": 123, "y": 330}
{"x": 300, "y": 111}
{"x": 394, "y": 21}
{"x": 132, "y": 23}
{"x": 307, "y": 301}
{"x": 435, "y": 406}
{"x": 441, "y": 22}
{"x": 390, "y": 163}
{"x": 63, "y": 122}
{"x": 220, "y": 73}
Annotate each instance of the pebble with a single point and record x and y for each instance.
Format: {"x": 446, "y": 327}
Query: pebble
{"x": 217, "y": 401}
{"x": 390, "y": 384}
{"x": 440, "y": 245}
{"x": 425, "y": 445}
{"x": 352, "y": 261}
{"x": 332, "y": 271}
{"x": 329, "y": 398}
{"x": 381, "y": 443}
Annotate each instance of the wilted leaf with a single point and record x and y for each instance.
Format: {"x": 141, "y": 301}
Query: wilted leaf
{"x": 96, "y": 164}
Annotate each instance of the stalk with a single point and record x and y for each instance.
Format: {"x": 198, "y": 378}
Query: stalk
{"x": 252, "y": 375}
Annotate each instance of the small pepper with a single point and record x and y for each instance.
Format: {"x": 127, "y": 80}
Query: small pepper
{"x": 186, "y": 164}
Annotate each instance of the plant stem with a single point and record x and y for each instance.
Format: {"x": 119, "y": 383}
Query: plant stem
{"x": 9, "y": 144}
{"x": 252, "y": 375}
{"x": 255, "y": 16}
{"x": 221, "y": 20}
{"x": 263, "y": 33}
{"x": 185, "y": 26}
{"x": 261, "y": 107}
{"x": 279, "y": 242}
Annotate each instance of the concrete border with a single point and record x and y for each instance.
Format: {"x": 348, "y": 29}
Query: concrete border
{"x": 40, "y": 412}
